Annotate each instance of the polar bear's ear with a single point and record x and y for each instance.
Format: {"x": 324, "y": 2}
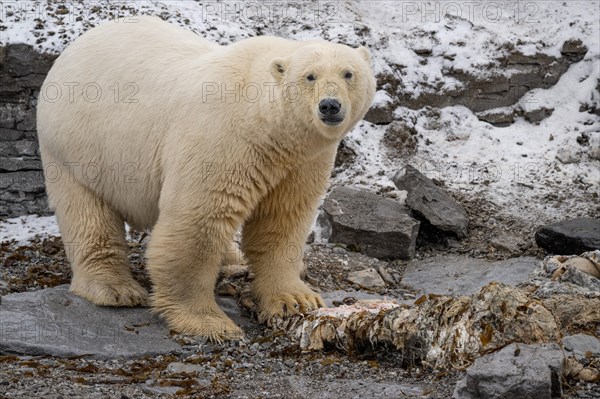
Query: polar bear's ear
{"x": 278, "y": 68}
{"x": 365, "y": 53}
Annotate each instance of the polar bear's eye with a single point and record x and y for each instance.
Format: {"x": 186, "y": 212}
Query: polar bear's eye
{"x": 311, "y": 78}
{"x": 348, "y": 75}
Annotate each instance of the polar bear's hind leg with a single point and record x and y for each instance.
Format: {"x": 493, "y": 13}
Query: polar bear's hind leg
{"x": 94, "y": 238}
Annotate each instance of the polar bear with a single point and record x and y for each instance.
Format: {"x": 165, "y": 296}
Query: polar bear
{"x": 149, "y": 124}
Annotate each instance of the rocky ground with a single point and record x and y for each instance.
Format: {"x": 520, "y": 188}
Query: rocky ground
{"x": 501, "y": 112}
{"x": 267, "y": 363}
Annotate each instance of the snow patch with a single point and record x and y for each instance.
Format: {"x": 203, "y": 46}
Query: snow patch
{"x": 25, "y": 228}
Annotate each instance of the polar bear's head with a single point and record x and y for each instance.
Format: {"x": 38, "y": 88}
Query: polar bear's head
{"x": 327, "y": 87}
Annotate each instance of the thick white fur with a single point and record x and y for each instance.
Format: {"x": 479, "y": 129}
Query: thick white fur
{"x": 193, "y": 166}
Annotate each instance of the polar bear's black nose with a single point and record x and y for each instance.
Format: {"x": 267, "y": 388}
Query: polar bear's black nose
{"x": 330, "y": 107}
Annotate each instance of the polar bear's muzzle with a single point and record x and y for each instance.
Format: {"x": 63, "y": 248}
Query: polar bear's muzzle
{"x": 330, "y": 111}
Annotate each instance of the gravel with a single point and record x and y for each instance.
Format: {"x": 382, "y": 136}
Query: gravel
{"x": 265, "y": 364}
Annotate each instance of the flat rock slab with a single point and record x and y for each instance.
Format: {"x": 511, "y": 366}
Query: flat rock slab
{"x": 459, "y": 275}
{"x": 570, "y": 237}
{"x": 57, "y": 323}
{"x": 516, "y": 371}
{"x": 377, "y": 226}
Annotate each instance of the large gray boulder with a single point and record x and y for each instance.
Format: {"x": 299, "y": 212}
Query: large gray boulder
{"x": 570, "y": 237}
{"x": 431, "y": 202}
{"x": 519, "y": 75}
{"x": 377, "y": 226}
{"x": 517, "y": 371}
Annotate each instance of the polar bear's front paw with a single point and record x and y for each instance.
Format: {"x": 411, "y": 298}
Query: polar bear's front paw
{"x": 287, "y": 300}
{"x": 105, "y": 292}
{"x": 213, "y": 325}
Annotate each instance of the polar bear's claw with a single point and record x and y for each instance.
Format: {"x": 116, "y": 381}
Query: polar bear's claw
{"x": 298, "y": 299}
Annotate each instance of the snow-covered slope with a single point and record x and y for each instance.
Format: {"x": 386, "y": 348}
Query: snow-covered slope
{"x": 514, "y": 167}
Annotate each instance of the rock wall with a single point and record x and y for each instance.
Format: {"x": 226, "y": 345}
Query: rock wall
{"x": 515, "y": 75}
{"x": 22, "y": 72}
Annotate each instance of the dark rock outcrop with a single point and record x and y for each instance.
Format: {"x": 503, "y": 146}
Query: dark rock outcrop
{"x": 516, "y": 75}
{"x": 570, "y": 237}
{"x": 22, "y": 71}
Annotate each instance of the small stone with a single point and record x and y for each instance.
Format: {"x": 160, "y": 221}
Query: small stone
{"x": 567, "y": 156}
{"x": 424, "y": 52}
{"x": 368, "y": 278}
{"x": 156, "y": 389}
{"x": 506, "y": 242}
{"x": 500, "y": 117}
{"x": 594, "y": 150}
{"x": 538, "y": 115}
{"x": 179, "y": 367}
{"x": 339, "y": 251}
{"x": 581, "y": 345}
{"x": 336, "y": 298}
{"x": 574, "y": 49}
{"x": 386, "y": 276}
{"x": 382, "y": 111}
